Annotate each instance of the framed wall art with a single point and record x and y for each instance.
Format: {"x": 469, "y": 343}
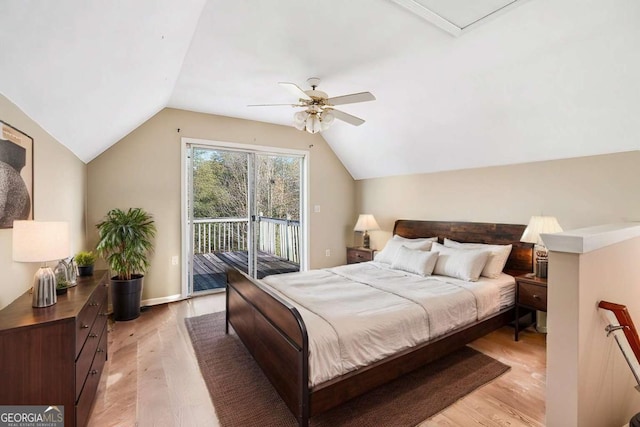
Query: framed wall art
{"x": 16, "y": 175}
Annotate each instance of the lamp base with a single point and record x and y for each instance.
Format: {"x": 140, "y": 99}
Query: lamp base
{"x": 44, "y": 288}
{"x": 365, "y": 240}
{"x": 541, "y": 322}
{"x": 541, "y": 268}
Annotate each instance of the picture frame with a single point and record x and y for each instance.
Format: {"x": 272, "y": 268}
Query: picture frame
{"x": 16, "y": 175}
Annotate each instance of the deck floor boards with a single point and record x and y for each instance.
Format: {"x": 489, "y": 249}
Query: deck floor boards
{"x": 209, "y": 270}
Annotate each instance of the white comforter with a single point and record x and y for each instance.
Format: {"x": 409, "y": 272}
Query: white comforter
{"x": 359, "y": 313}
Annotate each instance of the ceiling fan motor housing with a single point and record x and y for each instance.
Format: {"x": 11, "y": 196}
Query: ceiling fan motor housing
{"x": 314, "y": 82}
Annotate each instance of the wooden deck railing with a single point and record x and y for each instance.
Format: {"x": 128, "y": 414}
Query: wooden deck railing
{"x": 279, "y": 237}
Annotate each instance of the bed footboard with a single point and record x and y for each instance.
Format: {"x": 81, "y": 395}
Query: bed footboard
{"x": 274, "y": 333}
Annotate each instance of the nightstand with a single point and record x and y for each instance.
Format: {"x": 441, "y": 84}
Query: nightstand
{"x": 355, "y": 255}
{"x": 531, "y": 294}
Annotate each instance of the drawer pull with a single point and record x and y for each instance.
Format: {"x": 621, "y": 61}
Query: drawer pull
{"x": 83, "y": 326}
{"x": 93, "y": 304}
{"x": 536, "y": 297}
{"x": 93, "y": 335}
{"x": 93, "y": 372}
{"x": 103, "y": 314}
{"x": 99, "y": 350}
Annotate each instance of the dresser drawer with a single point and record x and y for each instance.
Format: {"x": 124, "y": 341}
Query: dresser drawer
{"x": 533, "y": 296}
{"x": 84, "y": 361}
{"x": 88, "y": 315}
{"x": 84, "y": 402}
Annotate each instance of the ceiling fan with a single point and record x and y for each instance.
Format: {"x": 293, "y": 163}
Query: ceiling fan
{"x": 319, "y": 112}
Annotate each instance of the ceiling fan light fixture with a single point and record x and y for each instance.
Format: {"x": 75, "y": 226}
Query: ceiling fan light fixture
{"x": 300, "y": 117}
{"x": 313, "y": 123}
{"x": 326, "y": 119}
{"x": 319, "y": 113}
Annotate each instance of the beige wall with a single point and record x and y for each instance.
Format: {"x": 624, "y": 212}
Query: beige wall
{"x": 143, "y": 170}
{"x": 579, "y": 192}
{"x": 588, "y": 381}
{"x": 59, "y": 195}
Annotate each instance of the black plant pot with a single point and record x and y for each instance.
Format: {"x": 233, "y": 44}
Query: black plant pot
{"x": 125, "y": 297}
{"x": 85, "y": 270}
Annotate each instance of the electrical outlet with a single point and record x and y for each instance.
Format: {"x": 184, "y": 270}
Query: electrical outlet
{"x": 327, "y": 252}
{"x": 174, "y": 260}
{"x": 316, "y": 208}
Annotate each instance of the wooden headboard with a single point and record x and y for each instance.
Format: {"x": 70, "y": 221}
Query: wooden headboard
{"x": 520, "y": 260}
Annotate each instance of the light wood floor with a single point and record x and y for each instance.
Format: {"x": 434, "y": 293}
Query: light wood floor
{"x": 152, "y": 376}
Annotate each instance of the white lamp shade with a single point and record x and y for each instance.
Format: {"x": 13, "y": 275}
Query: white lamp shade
{"x": 539, "y": 225}
{"x": 40, "y": 241}
{"x": 366, "y": 222}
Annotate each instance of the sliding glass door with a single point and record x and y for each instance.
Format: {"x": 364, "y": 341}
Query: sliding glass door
{"x": 277, "y": 204}
{"x": 243, "y": 210}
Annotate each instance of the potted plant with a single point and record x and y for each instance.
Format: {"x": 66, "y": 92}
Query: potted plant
{"x": 61, "y": 287}
{"x": 125, "y": 242}
{"x": 85, "y": 261}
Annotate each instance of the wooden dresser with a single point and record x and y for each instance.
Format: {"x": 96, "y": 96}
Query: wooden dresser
{"x": 55, "y": 355}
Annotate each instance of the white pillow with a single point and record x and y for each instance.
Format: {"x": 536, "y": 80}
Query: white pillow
{"x": 421, "y": 239}
{"x": 497, "y": 258}
{"x": 415, "y": 261}
{"x": 465, "y": 264}
{"x": 388, "y": 254}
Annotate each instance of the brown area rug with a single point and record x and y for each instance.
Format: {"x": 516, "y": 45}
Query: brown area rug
{"x": 243, "y": 396}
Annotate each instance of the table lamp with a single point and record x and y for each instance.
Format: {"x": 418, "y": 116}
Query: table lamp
{"x": 539, "y": 225}
{"x": 366, "y": 222}
{"x": 41, "y": 241}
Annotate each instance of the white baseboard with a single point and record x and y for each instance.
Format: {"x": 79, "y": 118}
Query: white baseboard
{"x": 153, "y": 301}
{"x": 162, "y": 300}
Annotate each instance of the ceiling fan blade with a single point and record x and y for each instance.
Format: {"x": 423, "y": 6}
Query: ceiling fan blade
{"x": 295, "y": 90}
{"x": 353, "y": 98}
{"x": 345, "y": 117}
{"x": 276, "y": 105}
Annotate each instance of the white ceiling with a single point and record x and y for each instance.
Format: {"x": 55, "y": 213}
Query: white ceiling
{"x": 548, "y": 79}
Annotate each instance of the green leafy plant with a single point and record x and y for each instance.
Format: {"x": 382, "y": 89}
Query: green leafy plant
{"x": 85, "y": 258}
{"x": 62, "y": 284}
{"x": 126, "y": 240}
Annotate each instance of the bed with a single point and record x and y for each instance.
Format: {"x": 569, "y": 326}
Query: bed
{"x": 274, "y": 332}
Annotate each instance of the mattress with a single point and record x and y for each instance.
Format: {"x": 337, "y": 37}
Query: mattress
{"x": 360, "y": 313}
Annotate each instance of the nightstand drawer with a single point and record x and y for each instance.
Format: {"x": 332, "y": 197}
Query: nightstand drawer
{"x": 355, "y": 255}
{"x": 533, "y": 296}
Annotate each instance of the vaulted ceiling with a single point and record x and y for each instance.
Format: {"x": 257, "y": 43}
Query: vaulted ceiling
{"x": 544, "y": 80}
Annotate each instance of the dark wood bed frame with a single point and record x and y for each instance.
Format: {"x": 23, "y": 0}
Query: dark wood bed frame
{"x": 275, "y": 334}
